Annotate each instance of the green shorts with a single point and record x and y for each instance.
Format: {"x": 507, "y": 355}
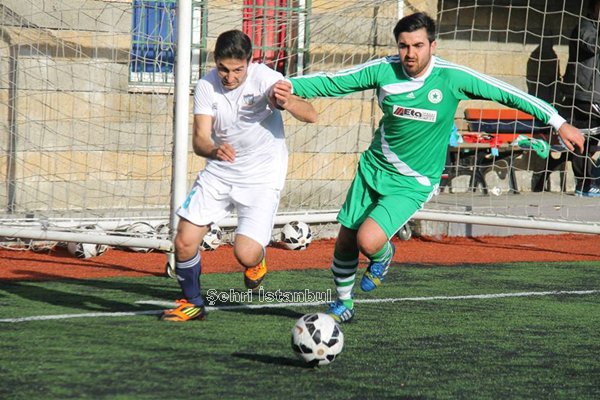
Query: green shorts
{"x": 387, "y": 198}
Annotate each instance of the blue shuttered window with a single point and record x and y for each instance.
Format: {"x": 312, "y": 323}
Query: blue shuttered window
{"x": 153, "y": 42}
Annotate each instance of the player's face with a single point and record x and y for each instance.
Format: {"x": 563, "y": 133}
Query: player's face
{"x": 415, "y": 51}
{"x": 232, "y": 72}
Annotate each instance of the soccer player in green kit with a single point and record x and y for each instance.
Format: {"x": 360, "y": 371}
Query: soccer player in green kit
{"x": 418, "y": 94}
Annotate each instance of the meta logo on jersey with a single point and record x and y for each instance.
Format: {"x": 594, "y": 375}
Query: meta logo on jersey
{"x": 415, "y": 114}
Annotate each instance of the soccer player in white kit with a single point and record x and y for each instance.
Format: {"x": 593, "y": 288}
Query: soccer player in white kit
{"x": 238, "y": 128}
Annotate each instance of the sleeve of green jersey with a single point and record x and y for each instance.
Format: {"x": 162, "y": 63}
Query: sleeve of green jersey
{"x": 469, "y": 84}
{"x": 352, "y": 80}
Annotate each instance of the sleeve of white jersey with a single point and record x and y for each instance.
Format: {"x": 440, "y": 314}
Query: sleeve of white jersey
{"x": 268, "y": 78}
{"x": 203, "y": 98}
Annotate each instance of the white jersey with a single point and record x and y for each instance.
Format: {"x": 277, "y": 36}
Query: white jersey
{"x": 243, "y": 118}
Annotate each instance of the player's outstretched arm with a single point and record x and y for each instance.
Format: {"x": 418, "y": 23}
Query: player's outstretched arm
{"x": 281, "y": 96}
{"x": 571, "y": 137}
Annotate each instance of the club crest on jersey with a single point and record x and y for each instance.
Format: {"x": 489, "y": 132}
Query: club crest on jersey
{"x": 435, "y": 96}
{"x": 248, "y": 99}
{"x": 417, "y": 114}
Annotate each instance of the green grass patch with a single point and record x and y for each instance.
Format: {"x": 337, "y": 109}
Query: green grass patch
{"x": 514, "y": 347}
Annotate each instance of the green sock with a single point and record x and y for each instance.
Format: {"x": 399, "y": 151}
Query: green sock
{"x": 348, "y": 303}
{"x": 384, "y": 254}
{"x": 344, "y": 268}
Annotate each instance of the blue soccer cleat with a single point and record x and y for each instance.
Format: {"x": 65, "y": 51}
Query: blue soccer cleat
{"x": 591, "y": 192}
{"x": 339, "y": 312}
{"x": 375, "y": 273}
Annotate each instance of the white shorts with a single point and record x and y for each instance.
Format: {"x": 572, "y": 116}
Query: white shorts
{"x": 211, "y": 200}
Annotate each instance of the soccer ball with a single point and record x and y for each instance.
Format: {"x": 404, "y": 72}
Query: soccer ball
{"x": 405, "y": 233}
{"x": 87, "y": 250}
{"x": 213, "y": 238}
{"x": 317, "y": 339}
{"x": 163, "y": 231}
{"x": 296, "y": 235}
{"x": 140, "y": 229}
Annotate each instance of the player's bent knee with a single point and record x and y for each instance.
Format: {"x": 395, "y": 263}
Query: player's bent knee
{"x": 184, "y": 250}
{"x": 371, "y": 241}
{"x": 248, "y": 252}
{"x": 248, "y": 259}
{"x": 370, "y": 247}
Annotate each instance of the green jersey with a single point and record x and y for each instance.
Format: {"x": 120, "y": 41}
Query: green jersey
{"x": 418, "y": 113}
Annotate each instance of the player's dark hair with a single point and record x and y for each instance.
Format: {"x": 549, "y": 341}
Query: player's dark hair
{"x": 414, "y": 22}
{"x": 233, "y": 44}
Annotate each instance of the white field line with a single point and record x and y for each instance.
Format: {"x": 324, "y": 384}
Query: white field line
{"x": 170, "y": 304}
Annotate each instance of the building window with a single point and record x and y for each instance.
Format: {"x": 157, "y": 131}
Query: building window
{"x": 279, "y": 33}
{"x": 154, "y": 37}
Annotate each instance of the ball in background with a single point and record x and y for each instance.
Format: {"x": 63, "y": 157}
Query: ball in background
{"x": 88, "y": 250}
{"x": 296, "y": 235}
{"x": 140, "y": 229}
{"x": 163, "y": 231}
{"x": 213, "y": 238}
{"x": 317, "y": 339}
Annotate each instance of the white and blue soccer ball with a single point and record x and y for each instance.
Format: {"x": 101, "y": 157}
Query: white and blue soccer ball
{"x": 88, "y": 250}
{"x": 296, "y": 235}
{"x": 317, "y": 339}
{"x": 163, "y": 231}
{"x": 140, "y": 229}
{"x": 213, "y": 238}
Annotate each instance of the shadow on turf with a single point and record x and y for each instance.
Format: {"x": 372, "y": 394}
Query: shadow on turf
{"x": 277, "y": 312}
{"x": 85, "y": 294}
{"x": 267, "y": 359}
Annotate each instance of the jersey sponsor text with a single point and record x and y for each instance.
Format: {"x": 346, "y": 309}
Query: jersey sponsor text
{"x": 417, "y": 114}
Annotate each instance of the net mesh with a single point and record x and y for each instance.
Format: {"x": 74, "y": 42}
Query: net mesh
{"x": 86, "y": 101}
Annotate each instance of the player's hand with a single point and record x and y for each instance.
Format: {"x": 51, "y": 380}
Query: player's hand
{"x": 571, "y": 137}
{"x": 280, "y": 94}
{"x": 225, "y": 152}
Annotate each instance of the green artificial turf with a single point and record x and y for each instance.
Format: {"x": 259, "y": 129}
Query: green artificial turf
{"x": 404, "y": 344}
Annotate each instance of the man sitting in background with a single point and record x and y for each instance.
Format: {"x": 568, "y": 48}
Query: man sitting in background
{"x": 581, "y": 102}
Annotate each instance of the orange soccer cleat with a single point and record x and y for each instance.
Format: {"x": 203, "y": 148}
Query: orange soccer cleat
{"x": 184, "y": 312}
{"x": 254, "y": 276}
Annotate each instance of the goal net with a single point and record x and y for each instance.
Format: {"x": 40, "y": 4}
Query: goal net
{"x": 87, "y": 105}
{"x": 501, "y": 173}
{"x": 86, "y": 126}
